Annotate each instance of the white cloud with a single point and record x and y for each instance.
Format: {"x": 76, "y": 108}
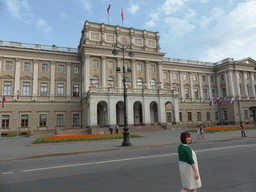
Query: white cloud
{"x": 216, "y": 14}
{"x": 236, "y": 34}
{"x": 87, "y": 5}
{"x": 13, "y": 6}
{"x": 134, "y": 8}
{"x": 171, "y": 6}
{"x": 179, "y": 26}
{"x": 63, "y": 15}
{"x": 43, "y": 26}
{"x": 190, "y": 14}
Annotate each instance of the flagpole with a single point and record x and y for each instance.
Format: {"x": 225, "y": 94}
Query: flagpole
{"x": 239, "y": 109}
{"x": 1, "y": 122}
{"x": 108, "y": 17}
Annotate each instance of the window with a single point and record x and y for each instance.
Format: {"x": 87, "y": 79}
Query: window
{"x": 59, "y": 119}
{"x": 111, "y": 64}
{"x": 76, "y": 69}
{"x": 248, "y": 90}
{"x": 27, "y": 67}
{"x": 75, "y": 90}
{"x": 95, "y": 64}
{"x": 60, "y": 89}
{"x": 5, "y": 121}
{"x": 240, "y": 87}
{"x": 8, "y": 65}
{"x": 222, "y": 77}
{"x": 255, "y": 89}
{"x": 185, "y": 76}
{"x": 169, "y": 117}
{"x": 213, "y": 93}
{"x": 245, "y": 114}
{"x": 7, "y": 88}
{"x": 139, "y": 66}
{"x": 24, "y": 120}
{"x": 125, "y": 66}
{"x": 139, "y": 83}
{"x": 196, "y": 93}
{"x": 42, "y": 120}
{"x": 110, "y": 82}
{"x": 61, "y": 69}
{"x": 205, "y": 93}
{"x": 180, "y": 114}
{"x": 246, "y": 76}
{"x": 198, "y": 116}
{"x": 208, "y": 116}
{"x": 189, "y": 116}
{"x": 95, "y": 82}
{"x": 253, "y": 77}
{"x": 225, "y": 115}
{"x": 203, "y": 77}
{"x": 186, "y": 91}
{"x": 153, "y": 84}
{"x": 44, "y": 89}
{"x": 216, "y": 115}
{"x": 194, "y": 77}
{"x": 212, "y": 79}
{"x": 26, "y": 89}
{"x": 44, "y": 68}
{"x": 175, "y": 76}
{"x": 224, "y": 92}
{"x": 75, "y": 119}
{"x": 165, "y": 75}
{"x": 152, "y": 68}
{"x": 127, "y": 85}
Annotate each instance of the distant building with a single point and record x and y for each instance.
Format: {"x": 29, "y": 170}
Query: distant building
{"x": 66, "y": 90}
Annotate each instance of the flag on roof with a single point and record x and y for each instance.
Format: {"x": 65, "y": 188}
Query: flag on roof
{"x": 108, "y": 8}
{"x": 122, "y": 14}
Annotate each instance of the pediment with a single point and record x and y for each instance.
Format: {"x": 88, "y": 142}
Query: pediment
{"x": 76, "y": 80}
{"x": 205, "y": 86}
{"x": 196, "y": 85}
{"x": 60, "y": 79}
{"x": 43, "y": 78}
{"x": 247, "y": 61}
{"x": 26, "y": 78}
{"x": 7, "y": 77}
{"x": 186, "y": 85}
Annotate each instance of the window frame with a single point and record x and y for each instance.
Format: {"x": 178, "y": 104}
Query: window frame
{"x": 27, "y": 66}
{"x": 196, "y": 93}
{"x": 44, "y": 67}
{"x": 208, "y": 115}
{"x": 186, "y": 93}
{"x": 5, "y": 121}
{"x": 175, "y": 76}
{"x": 189, "y": 116}
{"x": 8, "y": 65}
{"x": 76, "y": 69}
{"x": 78, "y": 120}
{"x": 26, "y": 89}
{"x": 199, "y": 116}
{"x": 43, "y": 87}
{"x": 60, "y": 90}
{"x": 60, "y": 118}
{"x": 153, "y": 84}
{"x": 139, "y": 67}
{"x": 95, "y": 64}
{"x": 205, "y": 93}
{"x": 111, "y": 64}
{"x": 7, "y": 88}
{"x": 60, "y": 68}
{"x": 24, "y": 122}
{"x": 75, "y": 90}
{"x": 152, "y": 68}
{"x": 42, "y": 121}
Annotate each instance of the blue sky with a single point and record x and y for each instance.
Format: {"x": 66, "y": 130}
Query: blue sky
{"x": 205, "y": 30}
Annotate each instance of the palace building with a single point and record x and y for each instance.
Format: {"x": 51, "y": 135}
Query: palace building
{"x": 67, "y": 90}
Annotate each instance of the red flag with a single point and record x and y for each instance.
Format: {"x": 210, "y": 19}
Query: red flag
{"x": 108, "y": 8}
{"x": 3, "y": 101}
{"x": 122, "y": 14}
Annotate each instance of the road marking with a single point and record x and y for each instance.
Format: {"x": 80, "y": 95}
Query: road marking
{"x": 6, "y": 173}
{"x": 135, "y": 158}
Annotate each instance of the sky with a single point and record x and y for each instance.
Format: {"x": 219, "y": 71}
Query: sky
{"x": 201, "y": 30}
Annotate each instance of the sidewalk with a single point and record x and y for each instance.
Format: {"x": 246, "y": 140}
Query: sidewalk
{"x": 20, "y": 148}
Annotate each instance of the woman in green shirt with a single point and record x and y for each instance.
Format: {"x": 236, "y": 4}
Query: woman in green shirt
{"x": 189, "y": 172}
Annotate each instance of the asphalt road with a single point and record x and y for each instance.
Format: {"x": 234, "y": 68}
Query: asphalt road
{"x": 224, "y": 166}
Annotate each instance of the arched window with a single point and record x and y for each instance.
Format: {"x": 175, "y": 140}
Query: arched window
{"x": 110, "y": 82}
{"x": 139, "y": 83}
{"x": 95, "y": 82}
{"x": 153, "y": 84}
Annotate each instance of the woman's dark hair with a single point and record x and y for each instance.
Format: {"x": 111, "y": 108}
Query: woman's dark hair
{"x": 184, "y": 136}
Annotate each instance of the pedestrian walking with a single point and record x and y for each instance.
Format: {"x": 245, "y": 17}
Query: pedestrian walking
{"x": 198, "y": 132}
{"x": 190, "y": 178}
{"x": 242, "y": 129}
{"x": 111, "y": 129}
{"x": 202, "y": 131}
{"x": 117, "y": 128}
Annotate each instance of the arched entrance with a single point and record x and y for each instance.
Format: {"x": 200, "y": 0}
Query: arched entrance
{"x": 137, "y": 111}
{"x": 102, "y": 114}
{"x": 170, "y": 113}
{"x": 153, "y": 113}
{"x": 120, "y": 113}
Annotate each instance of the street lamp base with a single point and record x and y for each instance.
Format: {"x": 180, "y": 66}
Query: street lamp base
{"x": 126, "y": 141}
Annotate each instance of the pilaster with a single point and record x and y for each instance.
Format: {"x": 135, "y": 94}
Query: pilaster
{"x": 52, "y": 90}
{"x": 133, "y": 73}
{"x": 231, "y": 84}
{"x": 68, "y": 80}
{"x": 252, "y": 85}
{"x": 181, "y": 86}
{"x": 103, "y": 71}
{"x": 227, "y": 84}
{"x": 147, "y": 74}
{"x": 35, "y": 80}
{"x": 191, "y": 86}
{"x": 118, "y": 75}
{"x": 17, "y": 77}
{"x": 210, "y": 86}
{"x": 160, "y": 74}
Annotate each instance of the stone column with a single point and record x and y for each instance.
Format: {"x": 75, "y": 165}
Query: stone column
{"x": 219, "y": 94}
{"x": 170, "y": 79}
{"x": 161, "y": 111}
{"x": 200, "y": 86}
{"x": 227, "y": 85}
{"x": 103, "y": 71}
{"x": 0, "y": 66}
{"x": 35, "y": 81}
{"x": 191, "y": 86}
{"x": 146, "y": 107}
{"x": 210, "y": 86}
{"x": 160, "y": 74}
{"x": 133, "y": 74}
{"x": 231, "y": 84}
{"x": 52, "y": 90}
{"x": 118, "y": 75}
{"x": 68, "y": 80}
{"x": 237, "y": 84}
{"x": 181, "y": 86}
{"x": 17, "y": 78}
{"x": 252, "y": 84}
{"x": 112, "y": 111}
{"x": 245, "y": 85}
{"x": 129, "y": 109}
{"x": 176, "y": 109}
{"x": 147, "y": 74}
{"x": 86, "y": 73}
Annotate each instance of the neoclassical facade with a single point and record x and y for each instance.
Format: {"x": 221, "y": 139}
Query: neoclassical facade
{"x": 63, "y": 89}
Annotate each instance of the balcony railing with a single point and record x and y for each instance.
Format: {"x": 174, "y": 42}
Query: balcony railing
{"x": 38, "y": 47}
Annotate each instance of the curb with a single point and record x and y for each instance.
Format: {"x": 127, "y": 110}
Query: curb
{"x": 118, "y": 148}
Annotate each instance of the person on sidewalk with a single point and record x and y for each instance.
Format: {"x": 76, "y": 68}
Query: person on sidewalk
{"x": 242, "y": 129}
{"x": 190, "y": 178}
{"x": 198, "y": 132}
{"x": 202, "y": 132}
{"x": 111, "y": 129}
{"x": 117, "y": 128}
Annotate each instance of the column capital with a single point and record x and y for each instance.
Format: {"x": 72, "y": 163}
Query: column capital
{"x": 147, "y": 61}
{"x": 87, "y": 56}
{"x": 53, "y": 62}
{"x": 119, "y": 58}
{"x": 133, "y": 60}
{"x": 18, "y": 59}
{"x": 160, "y": 62}
{"x": 68, "y": 63}
{"x": 35, "y": 60}
{"x": 103, "y": 57}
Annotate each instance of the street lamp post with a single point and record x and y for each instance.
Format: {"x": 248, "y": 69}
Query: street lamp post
{"x": 126, "y": 141}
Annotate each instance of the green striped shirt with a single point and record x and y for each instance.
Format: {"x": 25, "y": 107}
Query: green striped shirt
{"x": 185, "y": 154}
